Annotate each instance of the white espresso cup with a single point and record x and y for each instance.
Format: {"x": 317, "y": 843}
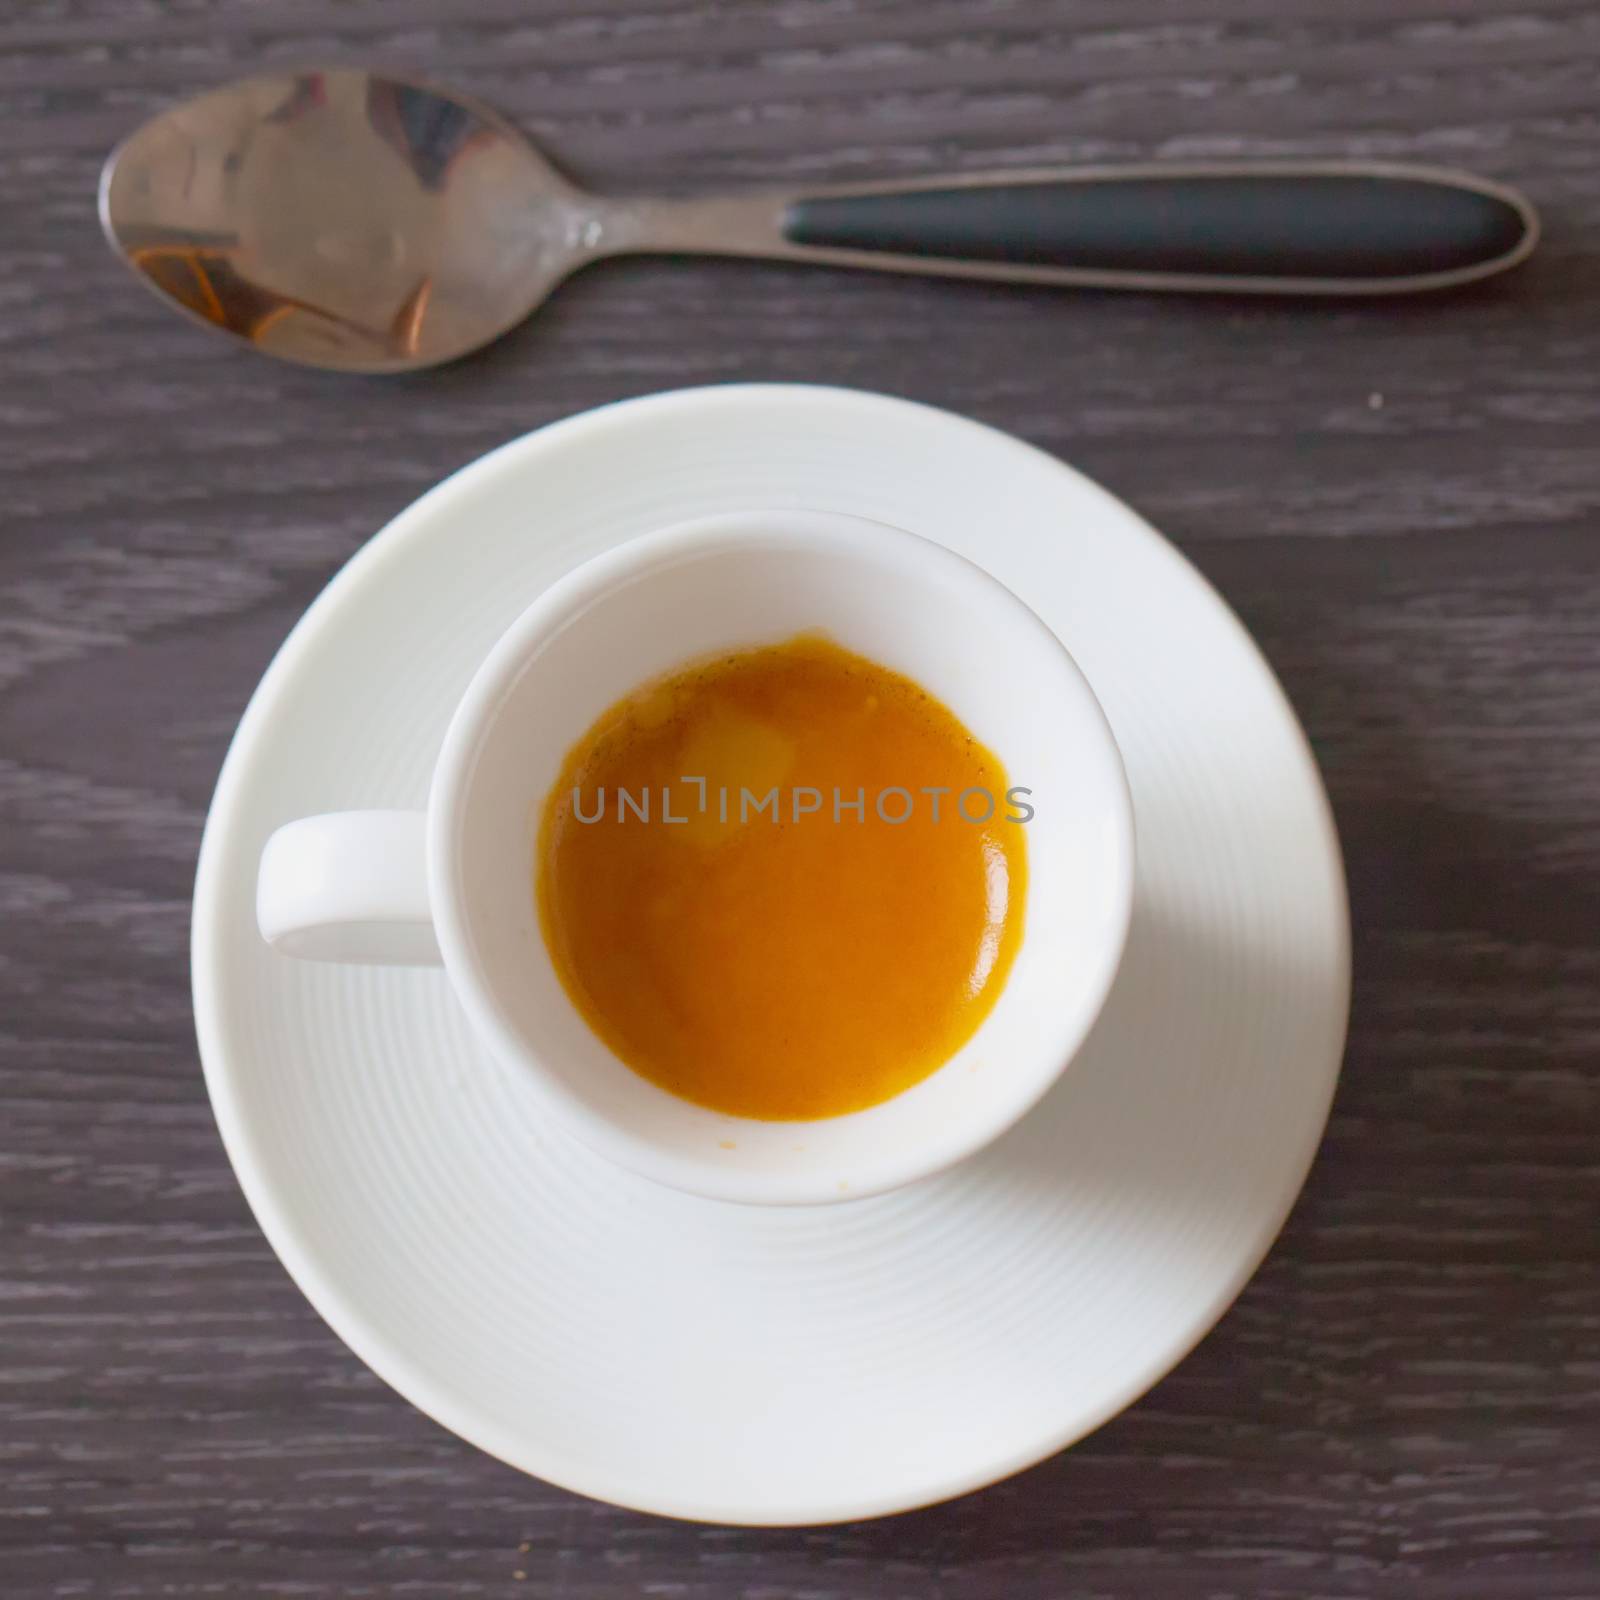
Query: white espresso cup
{"x": 455, "y": 884}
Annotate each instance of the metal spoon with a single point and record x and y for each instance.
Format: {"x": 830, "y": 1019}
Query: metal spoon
{"x": 372, "y": 223}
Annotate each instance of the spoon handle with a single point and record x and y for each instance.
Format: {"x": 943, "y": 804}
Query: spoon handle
{"x": 1306, "y": 228}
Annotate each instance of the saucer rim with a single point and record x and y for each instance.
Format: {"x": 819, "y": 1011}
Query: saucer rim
{"x": 366, "y": 1338}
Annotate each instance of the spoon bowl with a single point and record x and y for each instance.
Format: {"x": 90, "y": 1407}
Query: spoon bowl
{"x": 342, "y": 219}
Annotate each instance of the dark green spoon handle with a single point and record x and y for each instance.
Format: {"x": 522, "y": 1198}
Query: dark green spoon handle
{"x": 1320, "y": 228}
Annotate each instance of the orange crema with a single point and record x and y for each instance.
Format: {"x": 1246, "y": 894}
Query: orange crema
{"x": 754, "y": 940}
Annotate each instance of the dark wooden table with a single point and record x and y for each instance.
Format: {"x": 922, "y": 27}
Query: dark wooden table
{"x": 1402, "y": 500}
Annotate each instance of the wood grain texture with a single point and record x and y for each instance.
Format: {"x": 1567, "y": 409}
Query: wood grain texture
{"x": 1402, "y": 501}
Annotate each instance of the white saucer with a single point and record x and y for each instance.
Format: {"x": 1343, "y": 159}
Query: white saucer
{"x": 751, "y": 1365}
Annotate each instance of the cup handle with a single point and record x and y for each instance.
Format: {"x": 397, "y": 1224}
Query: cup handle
{"x": 349, "y": 886}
